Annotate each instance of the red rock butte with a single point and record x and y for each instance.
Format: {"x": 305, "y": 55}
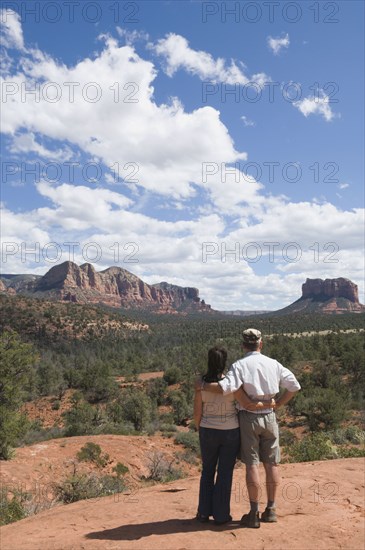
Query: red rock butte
{"x": 115, "y": 287}
{"x": 336, "y": 296}
{"x": 331, "y": 288}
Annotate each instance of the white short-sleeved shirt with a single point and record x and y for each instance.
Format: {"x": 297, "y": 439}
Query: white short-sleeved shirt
{"x": 260, "y": 376}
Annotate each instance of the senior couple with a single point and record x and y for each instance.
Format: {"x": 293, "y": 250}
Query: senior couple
{"x": 251, "y": 432}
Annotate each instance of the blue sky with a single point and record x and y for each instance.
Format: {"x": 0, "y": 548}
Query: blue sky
{"x": 241, "y": 135}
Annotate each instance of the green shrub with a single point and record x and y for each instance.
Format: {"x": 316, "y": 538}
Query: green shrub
{"x": 188, "y": 456}
{"x": 49, "y": 377}
{"x": 173, "y": 475}
{"x": 56, "y": 405}
{"x": 355, "y": 435}
{"x": 172, "y": 375}
{"x": 287, "y": 437}
{"x": 98, "y": 383}
{"x": 84, "y": 486}
{"x": 34, "y": 435}
{"x": 190, "y": 440}
{"x": 91, "y": 452}
{"x": 83, "y": 418}
{"x": 338, "y": 437}
{"x": 350, "y": 452}
{"x": 151, "y": 427}
{"x": 350, "y": 434}
{"x": 120, "y": 469}
{"x": 316, "y": 446}
{"x": 12, "y": 509}
{"x": 16, "y": 361}
{"x": 166, "y": 418}
{"x": 126, "y": 428}
{"x": 135, "y": 407}
{"x": 115, "y": 412}
{"x": 324, "y": 408}
{"x": 156, "y": 390}
{"x": 181, "y": 409}
{"x": 162, "y": 469}
{"x": 168, "y": 428}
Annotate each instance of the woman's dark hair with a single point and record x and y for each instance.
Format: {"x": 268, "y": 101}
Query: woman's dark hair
{"x": 217, "y": 358}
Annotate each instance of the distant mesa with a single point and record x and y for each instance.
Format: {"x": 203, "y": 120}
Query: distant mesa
{"x": 334, "y": 296}
{"x": 115, "y": 287}
{"x": 246, "y": 312}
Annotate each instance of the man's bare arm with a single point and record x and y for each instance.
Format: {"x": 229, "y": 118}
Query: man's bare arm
{"x": 240, "y": 396}
{"x": 285, "y": 398}
{"x": 247, "y": 403}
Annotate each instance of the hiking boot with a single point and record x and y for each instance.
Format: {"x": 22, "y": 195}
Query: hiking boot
{"x": 251, "y": 519}
{"x": 269, "y": 515}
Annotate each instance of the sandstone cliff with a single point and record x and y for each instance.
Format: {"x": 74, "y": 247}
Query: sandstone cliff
{"x": 114, "y": 287}
{"x": 6, "y": 290}
{"x": 327, "y": 296}
{"x": 330, "y": 288}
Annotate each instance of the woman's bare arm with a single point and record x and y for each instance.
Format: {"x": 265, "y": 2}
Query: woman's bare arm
{"x": 198, "y": 408}
{"x": 247, "y": 403}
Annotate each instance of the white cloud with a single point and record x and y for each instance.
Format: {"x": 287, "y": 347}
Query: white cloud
{"x": 85, "y": 215}
{"x": 178, "y": 55}
{"x": 132, "y": 36}
{"x": 5, "y": 61}
{"x": 79, "y": 207}
{"x": 11, "y": 29}
{"x": 316, "y": 105}
{"x": 20, "y": 233}
{"x": 304, "y": 222}
{"x": 163, "y": 147}
{"x": 278, "y": 43}
{"x": 170, "y": 146}
{"x": 343, "y": 185}
{"x": 26, "y": 143}
{"x": 247, "y": 121}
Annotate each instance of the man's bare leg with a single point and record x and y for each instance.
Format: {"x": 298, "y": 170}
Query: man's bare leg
{"x": 272, "y": 480}
{"x": 253, "y": 487}
{"x": 272, "y": 483}
{"x": 253, "y": 482}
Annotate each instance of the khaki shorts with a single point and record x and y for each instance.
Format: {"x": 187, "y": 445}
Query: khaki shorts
{"x": 259, "y": 438}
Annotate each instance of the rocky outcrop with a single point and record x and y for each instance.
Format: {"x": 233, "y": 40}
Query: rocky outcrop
{"x": 115, "y": 287}
{"x": 11, "y": 284}
{"x": 334, "y": 296}
{"x": 161, "y": 516}
{"x": 330, "y": 288}
{"x": 6, "y": 289}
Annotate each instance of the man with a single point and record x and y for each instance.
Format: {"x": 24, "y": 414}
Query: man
{"x": 260, "y": 377}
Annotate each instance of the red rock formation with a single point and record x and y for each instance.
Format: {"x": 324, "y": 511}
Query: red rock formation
{"x": 333, "y": 296}
{"x": 116, "y": 287}
{"x": 330, "y": 288}
{"x": 6, "y": 290}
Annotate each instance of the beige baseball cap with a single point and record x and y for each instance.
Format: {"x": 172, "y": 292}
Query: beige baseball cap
{"x": 251, "y": 336}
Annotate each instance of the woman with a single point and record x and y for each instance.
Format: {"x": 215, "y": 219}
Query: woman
{"x": 215, "y": 416}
